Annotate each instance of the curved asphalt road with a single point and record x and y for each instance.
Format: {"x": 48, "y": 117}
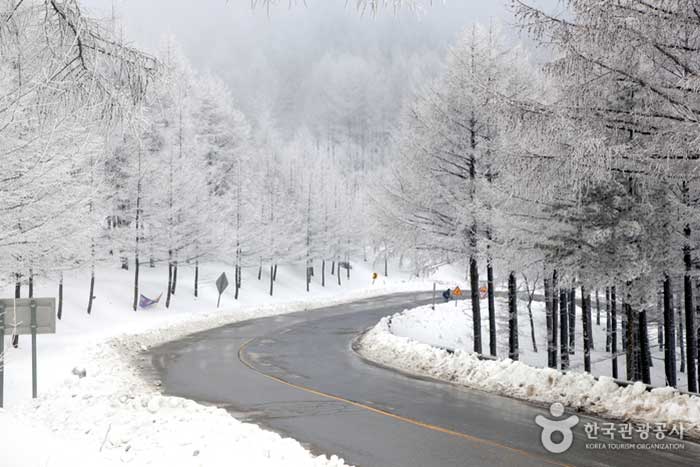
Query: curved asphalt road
{"x": 297, "y": 375}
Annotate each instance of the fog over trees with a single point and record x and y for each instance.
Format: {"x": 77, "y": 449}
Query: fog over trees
{"x": 554, "y": 143}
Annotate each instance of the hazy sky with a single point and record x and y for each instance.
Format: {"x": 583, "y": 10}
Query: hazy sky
{"x": 210, "y": 30}
{"x": 259, "y": 54}
{"x": 196, "y": 22}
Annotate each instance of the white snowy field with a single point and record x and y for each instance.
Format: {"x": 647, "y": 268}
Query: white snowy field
{"x": 112, "y": 415}
{"x": 414, "y": 341}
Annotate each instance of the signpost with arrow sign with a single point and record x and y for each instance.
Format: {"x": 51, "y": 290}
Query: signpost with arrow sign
{"x": 221, "y": 284}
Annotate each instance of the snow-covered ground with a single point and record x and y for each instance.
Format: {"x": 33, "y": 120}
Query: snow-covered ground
{"x": 450, "y": 326}
{"x": 414, "y": 340}
{"x": 112, "y": 415}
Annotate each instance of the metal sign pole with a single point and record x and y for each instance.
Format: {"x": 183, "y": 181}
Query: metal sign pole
{"x": 32, "y": 307}
{"x": 32, "y": 316}
{"x": 2, "y": 350}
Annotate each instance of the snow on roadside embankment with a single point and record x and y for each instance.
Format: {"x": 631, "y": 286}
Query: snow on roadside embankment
{"x": 112, "y": 416}
{"x": 602, "y": 396}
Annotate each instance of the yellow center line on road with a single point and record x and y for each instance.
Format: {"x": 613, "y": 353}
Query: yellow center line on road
{"x": 474, "y": 439}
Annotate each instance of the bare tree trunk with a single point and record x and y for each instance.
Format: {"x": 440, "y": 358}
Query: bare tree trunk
{"x": 174, "y": 287}
{"x": 608, "y": 328}
{"x": 697, "y": 357}
{"x": 136, "y": 249}
{"x": 555, "y": 316}
{"x": 272, "y": 279}
{"x": 333, "y": 268}
{"x": 170, "y": 279}
{"x": 670, "y": 334}
{"x": 597, "y": 319}
{"x": 323, "y": 273}
{"x": 274, "y": 274}
{"x": 585, "y": 321}
{"x": 92, "y": 271}
{"x": 136, "y": 282}
{"x": 239, "y": 251}
{"x": 338, "y": 275}
{"x": 660, "y": 315}
{"x": 59, "y": 315}
{"x": 639, "y": 348}
{"x": 628, "y": 341}
{"x": 196, "y": 279}
{"x": 623, "y": 325}
{"x": 644, "y": 354}
{"x": 513, "y": 352}
{"x": 613, "y": 330}
{"x": 681, "y": 333}
{"x": 564, "y": 331}
{"x": 690, "y": 333}
{"x": 18, "y": 291}
{"x": 236, "y": 286}
{"x": 92, "y": 289}
{"x": 591, "y": 344}
{"x": 548, "y": 318}
{"x": 237, "y": 279}
{"x": 631, "y": 354}
{"x": 473, "y": 243}
{"x": 308, "y": 277}
{"x": 476, "y": 306}
{"x": 309, "y": 261}
{"x": 532, "y": 323}
{"x": 260, "y": 270}
{"x": 492, "y": 309}
{"x": 572, "y": 321}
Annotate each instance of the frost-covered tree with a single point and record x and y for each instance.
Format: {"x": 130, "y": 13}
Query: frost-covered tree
{"x": 223, "y": 142}
{"x": 444, "y": 184}
{"x": 626, "y": 70}
{"x": 64, "y": 81}
{"x": 178, "y": 188}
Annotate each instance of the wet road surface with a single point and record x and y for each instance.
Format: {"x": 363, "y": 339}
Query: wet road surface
{"x": 298, "y": 375}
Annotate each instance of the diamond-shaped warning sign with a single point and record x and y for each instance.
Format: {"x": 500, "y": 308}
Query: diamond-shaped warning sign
{"x": 222, "y": 283}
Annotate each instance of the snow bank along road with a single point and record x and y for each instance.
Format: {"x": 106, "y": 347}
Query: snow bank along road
{"x": 297, "y": 375}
